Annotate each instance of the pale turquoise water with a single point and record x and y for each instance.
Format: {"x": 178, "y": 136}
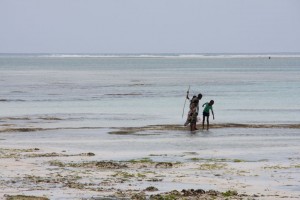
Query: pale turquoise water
{"x": 102, "y": 91}
{"x": 105, "y": 91}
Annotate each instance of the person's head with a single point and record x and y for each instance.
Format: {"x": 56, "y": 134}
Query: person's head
{"x": 199, "y": 96}
{"x": 211, "y": 102}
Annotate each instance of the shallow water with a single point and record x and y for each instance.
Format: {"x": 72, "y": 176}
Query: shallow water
{"x": 246, "y": 144}
{"x": 101, "y": 91}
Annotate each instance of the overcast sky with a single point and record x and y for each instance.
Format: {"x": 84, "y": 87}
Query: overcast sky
{"x": 149, "y": 26}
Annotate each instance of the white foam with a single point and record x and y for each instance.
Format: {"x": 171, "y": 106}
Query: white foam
{"x": 204, "y": 56}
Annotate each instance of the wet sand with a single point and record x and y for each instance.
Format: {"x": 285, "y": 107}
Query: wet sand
{"x": 163, "y": 161}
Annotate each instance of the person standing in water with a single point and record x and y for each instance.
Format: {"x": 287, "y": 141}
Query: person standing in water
{"x": 194, "y": 107}
{"x": 207, "y": 108}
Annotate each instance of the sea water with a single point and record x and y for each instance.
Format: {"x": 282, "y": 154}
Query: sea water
{"x": 73, "y": 91}
{"x": 58, "y": 90}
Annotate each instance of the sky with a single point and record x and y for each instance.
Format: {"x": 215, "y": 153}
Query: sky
{"x": 149, "y": 26}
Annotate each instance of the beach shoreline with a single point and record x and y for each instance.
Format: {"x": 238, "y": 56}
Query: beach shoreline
{"x": 51, "y": 164}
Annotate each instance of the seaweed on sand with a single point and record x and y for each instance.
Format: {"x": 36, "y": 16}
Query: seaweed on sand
{"x": 178, "y": 127}
{"x": 23, "y": 197}
{"x": 212, "y": 166}
{"x": 91, "y": 164}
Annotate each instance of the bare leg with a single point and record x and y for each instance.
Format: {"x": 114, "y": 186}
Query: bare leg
{"x": 193, "y": 126}
{"x": 203, "y": 121}
{"x": 207, "y": 123}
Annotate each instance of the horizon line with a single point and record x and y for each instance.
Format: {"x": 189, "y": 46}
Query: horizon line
{"x": 165, "y": 53}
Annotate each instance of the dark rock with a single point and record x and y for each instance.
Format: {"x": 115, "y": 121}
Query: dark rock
{"x": 151, "y": 189}
{"x": 164, "y": 165}
{"x": 200, "y": 191}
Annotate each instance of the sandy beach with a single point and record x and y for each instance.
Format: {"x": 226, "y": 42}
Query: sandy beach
{"x": 152, "y": 162}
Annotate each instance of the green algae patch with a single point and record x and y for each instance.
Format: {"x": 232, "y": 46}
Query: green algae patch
{"x": 142, "y": 160}
{"x": 230, "y": 193}
{"x": 138, "y": 196}
{"x": 54, "y": 154}
{"x": 75, "y": 185}
{"x": 167, "y": 196}
{"x": 277, "y": 167}
{"x": 57, "y": 178}
{"x": 23, "y": 197}
{"x": 140, "y": 175}
{"x": 196, "y": 159}
{"x": 179, "y": 127}
{"x": 190, "y": 194}
{"x": 150, "y": 163}
{"x": 57, "y": 163}
{"x": 212, "y": 166}
{"x": 133, "y": 130}
{"x": 15, "y": 153}
{"x": 127, "y": 175}
{"x": 239, "y": 160}
{"x": 263, "y": 160}
{"x": 21, "y": 130}
{"x": 210, "y": 159}
{"x": 34, "y": 153}
{"x": 158, "y": 155}
{"x": 121, "y": 132}
{"x": 164, "y": 197}
{"x": 123, "y": 175}
{"x": 92, "y": 164}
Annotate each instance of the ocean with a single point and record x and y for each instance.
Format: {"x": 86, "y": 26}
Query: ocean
{"x": 59, "y": 90}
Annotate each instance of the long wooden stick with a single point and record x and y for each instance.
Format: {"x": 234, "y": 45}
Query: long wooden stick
{"x": 185, "y": 101}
